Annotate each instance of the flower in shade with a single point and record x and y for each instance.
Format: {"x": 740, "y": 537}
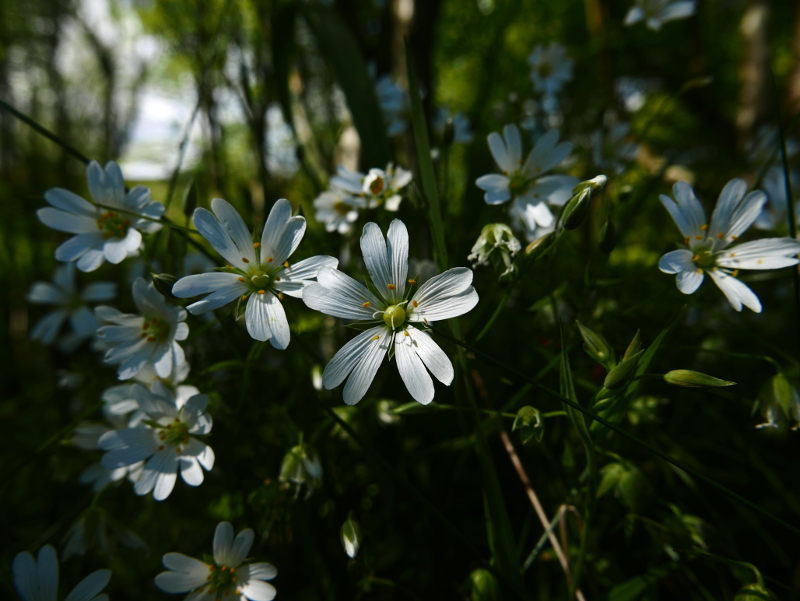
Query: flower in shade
{"x": 526, "y": 183}
{"x": 338, "y": 210}
{"x": 228, "y": 577}
{"x": 165, "y": 440}
{"x": 110, "y": 232}
{"x": 551, "y": 68}
{"x": 397, "y": 311}
{"x": 69, "y": 304}
{"x": 257, "y": 272}
{"x": 775, "y": 213}
{"x": 379, "y": 187}
{"x": 461, "y": 126}
{"x": 150, "y": 338}
{"x": 708, "y": 247}
{"x": 37, "y": 579}
{"x": 657, "y": 12}
{"x": 496, "y": 241}
{"x": 393, "y": 102}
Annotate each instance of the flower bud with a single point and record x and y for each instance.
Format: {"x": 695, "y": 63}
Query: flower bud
{"x": 351, "y": 536}
{"x": 634, "y": 346}
{"x": 576, "y": 209}
{"x": 535, "y": 249}
{"x": 754, "y": 592}
{"x": 164, "y": 282}
{"x": 530, "y": 424}
{"x": 694, "y": 379}
{"x": 595, "y": 345}
{"x": 190, "y": 199}
{"x": 620, "y": 375}
{"x": 301, "y": 465}
{"x": 496, "y": 240}
{"x": 484, "y": 586}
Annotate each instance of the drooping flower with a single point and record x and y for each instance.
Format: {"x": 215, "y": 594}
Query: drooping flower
{"x": 37, "y": 579}
{"x": 496, "y": 241}
{"x": 657, "y": 12}
{"x": 526, "y": 183}
{"x": 258, "y": 272}
{"x": 394, "y": 105}
{"x": 70, "y": 304}
{"x": 709, "y": 249}
{"x": 379, "y": 187}
{"x": 165, "y": 440}
{"x": 103, "y": 233}
{"x": 227, "y": 578}
{"x": 150, "y": 338}
{"x": 338, "y": 210}
{"x": 551, "y": 68}
{"x": 397, "y": 312}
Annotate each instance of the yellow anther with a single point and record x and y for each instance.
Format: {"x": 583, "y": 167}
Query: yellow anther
{"x": 161, "y": 447}
{"x": 280, "y": 295}
{"x": 365, "y": 305}
{"x": 376, "y": 337}
{"x": 694, "y": 258}
{"x": 721, "y": 236}
{"x": 245, "y": 260}
{"x": 277, "y": 279}
{"x": 256, "y": 244}
{"x": 414, "y": 304}
{"x": 698, "y": 237}
{"x": 241, "y": 279}
{"x": 151, "y": 339}
{"x": 286, "y": 263}
{"x": 244, "y": 297}
{"x": 262, "y": 292}
{"x": 391, "y": 286}
{"x": 412, "y": 282}
{"x": 704, "y": 227}
{"x": 735, "y": 272}
{"x": 269, "y": 259}
{"x": 406, "y": 333}
{"x": 686, "y": 240}
{"x": 734, "y": 238}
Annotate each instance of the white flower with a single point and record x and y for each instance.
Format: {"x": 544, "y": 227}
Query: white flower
{"x": 611, "y": 150}
{"x": 110, "y": 233}
{"x": 69, "y": 304}
{"x": 150, "y": 338}
{"x": 338, "y": 210}
{"x": 462, "y": 127}
{"x": 378, "y": 187}
{"x": 551, "y": 68}
{"x": 397, "y": 312}
{"x": 709, "y": 251}
{"x": 165, "y": 440}
{"x": 226, "y": 578}
{"x": 657, "y": 12}
{"x": 526, "y": 182}
{"x": 37, "y": 579}
{"x": 394, "y": 105}
{"x": 775, "y": 210}
{"x": 257, "y": 272}
{"x": 495, "y": 239}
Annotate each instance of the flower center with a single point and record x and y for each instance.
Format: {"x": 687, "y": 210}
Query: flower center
{"x": 394, "y": 316}
{"x": 175, "y": 434}
{"x": 113, "y": 225}
{"x": 342, "y": 208}
{"x": 517, "y": 183}
{"x": 221, "y": 581}
{"x": 704, "y": 259}
{"x": 155, "y": 329}
{"x": 545, "y": 69}
{"x": 376, "y": 186}
{"x": 260, "y": 280}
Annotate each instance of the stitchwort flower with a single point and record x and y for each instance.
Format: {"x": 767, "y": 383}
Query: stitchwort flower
{"x": 379, "y": 187}
{"x": 708, "y": 246}
{"x": 397, "y": 311}
{"x": 258, "y": 272}
{"x": 657, "y": 12}
{"x": 37, "y": 579}
{"x": 338, "y": 210}
{"x": 165, "y": 439}
{"x": 225, "y": 576}
{"x": 525, "y": 182}
{"x": 150, "y": 338}
{"x": 551, "y": 68}
{"x": 110, "y": 232}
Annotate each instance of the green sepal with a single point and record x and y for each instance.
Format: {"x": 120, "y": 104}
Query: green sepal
{"x": 620, "y": 375}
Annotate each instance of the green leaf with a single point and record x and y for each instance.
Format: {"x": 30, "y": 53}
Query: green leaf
{"x": 338, "y": 44}
{"x": 426, "y": 164}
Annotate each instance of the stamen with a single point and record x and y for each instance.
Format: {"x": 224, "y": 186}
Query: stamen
{"x": 244, "y": 297}
{"x": 698, "y": 237}
{"x": 376, "y": 337}
{"x": 365, "y": 305}
{"x": 735, "y": 273}
{"x": 694, "y": 258}
{"x": 277, "y": 279}
{"x": 412, "y": 282}
{"x": 245, "y": 260}
{"x": 280, "y": 295}
{"x": 391, "y": 286}
{"x": 151, "y": 339}
{"x": 704, "y": 227}
{"x": 144, "y": 334}
{"x": 721, "y": 236}
{"x": 414, "y": 304}
{"x": 686, "y": 240}
{"x": 269, "y": 259}
{"x": 261, "y": 292}
{"x": 240, "y": 279}
{"x": 256, "y": 244}
{"x": 286, "y": 263}
{"x": 406, "y": 333}
{"x": 161, "y": 447}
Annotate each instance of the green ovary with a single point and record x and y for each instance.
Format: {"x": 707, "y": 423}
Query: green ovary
{"x": 175, "y": 434}
{"x": 517, "y": 183}
{"x": 704, "y": 259}
{"x": 260, "y": 280}
{"x": 394, "y": 316}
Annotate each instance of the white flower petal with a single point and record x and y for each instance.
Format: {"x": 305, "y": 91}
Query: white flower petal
{"x": 44, "y": 293}
{"x": 728, "y": 201}
{"x": 223, "y": 541}
{"x": 90, "y": 260}
{"x": 188, "y": 573}
{"x": 212, "y": 230}
{"x": 260, "y": 571}
{"x": 678, "y": 10}
{"x": 159, "y": 475}
{"x": 279, "y": 216}
{"x": 70, "y": 202}
{"x": 47, "y": 573}
{"x": 77, "y": 246}
{"x": 689, "y": 281}
{"x": 83, "y": 322}
{"x": 676, "y": 261}
{"x": 496, "y": 187}
{"x": 97, "y": 292}
{"x": 340, "y": 295}
{"x": 299, "y": 275}
{"x": 236, "y": 228}
{"x": 538, "y": 156}
{"x": 240, "y": 548}
{"x": 498, "y": 149}
{"x": 513, "y": 144}
{"x": 745, "y": 214}
{"x": 25, "y": 580}
{"x": 126, "y": 447}
{"x": 446, "y": 295}
{"x": 373, "y": 247}
{"x": 397, "y": 251}
{"x": 635, "y": 14}
{"x": 364, "y": 372}
{"x": 554, "y": 189}
{"x": 90, "y": 587}
{"x": 289, "y": 241}
{"x": 278, "y": 324}
{"x": 686, "y": 210}
{"x": 117, "y": 250}
{"x": 769, "y": 253}
{"x": 433, "y": 357}
{"x": 66, "y": 222}
{"x": 47, "y": 328}
{"x": 737, "y": 292}
{"x": 191, "y": 472}
{"x": 258, "y": 590}
{"x": 257, "y": 317}
{"x": 412, "y": 371}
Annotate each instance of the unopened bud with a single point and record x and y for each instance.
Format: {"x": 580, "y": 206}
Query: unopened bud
{"x": 190, "y": 199}
{"x": 484, "y": 586}
{"x": 634, "y": 346}
{"x": 535, "y": 249}
{"x": 622, "y": 373}
{"x": 164, "y": 282}
{"x": 576, "y": 209}
{"x": 595, "y": 345}
{"x": 754, "y": 592}
{"x": 530, "y": 424}
{"x": 694, "y": 379}
{"x": 351, "y": 536}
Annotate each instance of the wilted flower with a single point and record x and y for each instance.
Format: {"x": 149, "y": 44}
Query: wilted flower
{"x": 398, "y": 311}
{"x": 657, "y": 12}
{"x": 37, "y": 579}
{"x": 109, "y": 233}
{"x": 496, "y": 239}
{"x": 708, "y": 245}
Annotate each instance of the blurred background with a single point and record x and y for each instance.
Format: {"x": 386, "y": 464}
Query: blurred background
{"x": 263, "y": 99}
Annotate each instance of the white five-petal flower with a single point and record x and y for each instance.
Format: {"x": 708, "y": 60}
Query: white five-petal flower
{"x": 165, "y": 439}
{"x": 378, "y": 187}
{"x": 69, "y": 304}
{"x": 551, "y": 68}
{"x": 109, "y": 233}
{"x": 227, "y": 578}
{"x": 37, "y": 579}
{"x": 526, "y": 182}
{"x": 709, "y": 245}
{"x": 257, "y": 272}
{"x": 338, "y": 210}
{"x": 398, "y": 312}
{"x": 657, "y": 12}
{"x": 150, "y": 338}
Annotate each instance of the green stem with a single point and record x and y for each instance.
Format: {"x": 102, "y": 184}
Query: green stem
{"x": 45, "y": 132}
{"x": 767, "y": 358}
{"x": 635, "y": 439}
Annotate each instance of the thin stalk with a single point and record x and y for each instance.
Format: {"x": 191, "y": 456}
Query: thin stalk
{"x": 611, "y": 426}
{"x": 45, "y": 132}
